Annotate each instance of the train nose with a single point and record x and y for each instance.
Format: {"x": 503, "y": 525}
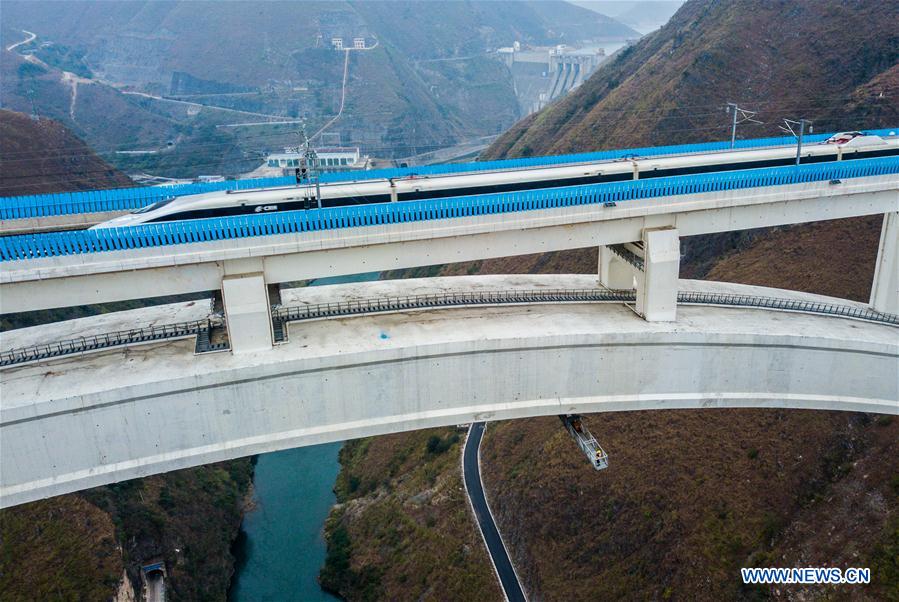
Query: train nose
{"x": 116, "y": 222}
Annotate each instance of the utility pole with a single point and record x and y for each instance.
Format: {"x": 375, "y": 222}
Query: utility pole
{"x": 740, "y": 115}
{"x": 789, "y": 123}
{"x": 34, "y": 115}
{"x": 309, "y": 165}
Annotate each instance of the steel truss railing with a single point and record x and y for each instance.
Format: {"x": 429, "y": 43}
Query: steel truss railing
{"x": 797, "y": 305}
{"x": 281, "y": 315}
{"x": 627, "y": 255}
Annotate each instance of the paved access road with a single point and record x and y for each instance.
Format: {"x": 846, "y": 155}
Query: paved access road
{"x": 471, "y": 473}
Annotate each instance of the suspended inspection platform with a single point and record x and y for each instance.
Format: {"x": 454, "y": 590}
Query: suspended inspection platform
{"x": 575, "y": 426}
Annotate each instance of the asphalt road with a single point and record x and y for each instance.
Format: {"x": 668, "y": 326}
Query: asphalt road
{"x": 471, "y": 473}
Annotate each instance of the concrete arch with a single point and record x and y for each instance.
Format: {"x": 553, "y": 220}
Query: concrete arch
{"x": 138, "y": 411}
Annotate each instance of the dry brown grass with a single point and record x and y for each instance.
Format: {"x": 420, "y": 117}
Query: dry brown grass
{"x": 404, "y": 524}
{"x": 63, "y": 548}
{"x": 830, "y": 258}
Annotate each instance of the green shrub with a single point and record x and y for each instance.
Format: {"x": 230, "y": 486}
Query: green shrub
{"x": 437, "y": 445}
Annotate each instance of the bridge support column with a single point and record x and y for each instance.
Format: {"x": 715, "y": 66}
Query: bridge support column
{"x": 657, "y": 284}
{"x": 614, "y": 272}
{"x": 885, "y": 289}
{"x": 247, "y": 312}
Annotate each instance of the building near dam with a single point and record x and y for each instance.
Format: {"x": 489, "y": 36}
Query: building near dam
{"x": 333, "y": 158}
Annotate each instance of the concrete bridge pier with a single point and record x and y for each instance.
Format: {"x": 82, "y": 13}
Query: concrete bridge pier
{"x": 247, "y": 307}
{"x": 885, "y": 289}
{"x": 657, "y": 282}
{"x": 614, "y": 272}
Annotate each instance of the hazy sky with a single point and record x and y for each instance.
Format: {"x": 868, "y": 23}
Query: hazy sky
{"x": 642, "y": 15}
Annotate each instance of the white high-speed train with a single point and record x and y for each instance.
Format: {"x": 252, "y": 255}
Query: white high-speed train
{"x": 844, "y": 146}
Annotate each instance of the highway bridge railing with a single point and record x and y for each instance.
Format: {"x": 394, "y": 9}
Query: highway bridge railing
{"x": 281, "y": 315}
{"x": 129, "y": 199}
{"x": 116, "y": 339}
{"x": 51, "y": 244}
{"x": 781, "y": 304}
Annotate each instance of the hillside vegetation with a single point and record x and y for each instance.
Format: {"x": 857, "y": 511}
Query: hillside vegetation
{"x": 401, "y": 529}
{"x": 781, "y": 58}
{"x": 692, "y": 496}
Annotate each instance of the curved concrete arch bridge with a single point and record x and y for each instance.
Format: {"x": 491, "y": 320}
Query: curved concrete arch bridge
{"x": 86, "y": 420}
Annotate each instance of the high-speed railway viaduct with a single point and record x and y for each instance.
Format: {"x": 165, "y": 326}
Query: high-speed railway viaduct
{"x": 636, "y": 226}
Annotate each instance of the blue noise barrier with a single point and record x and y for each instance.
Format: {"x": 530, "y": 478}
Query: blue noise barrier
{"x": 31, "y": 246}
{"x": 128, "y": 199}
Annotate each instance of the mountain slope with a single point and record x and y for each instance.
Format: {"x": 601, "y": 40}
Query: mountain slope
{"x": 262, "y": 37}
{"x": 691, "y": 496}
{"x": 43, "y": 156}
{"x": 103, "y": 116}
{"x": 643, "y": 15}
{"x": 784, "y": 59}
{"x": 708, "y": 492}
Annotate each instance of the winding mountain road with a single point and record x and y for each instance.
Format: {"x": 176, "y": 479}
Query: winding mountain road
{"x": 471, "y": 475}
{"x": 31, "y": 35}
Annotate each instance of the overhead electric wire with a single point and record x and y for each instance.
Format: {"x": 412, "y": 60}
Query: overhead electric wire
{"x": 407, "y": 147}
{"x": 49, "y": 152}
{"x": 409, "y": 143}
{"x": 62, "y": 176}
{"x": 782, "y": 107}
{"x": 67, "y": 173}
{"x": 218, "y": 162}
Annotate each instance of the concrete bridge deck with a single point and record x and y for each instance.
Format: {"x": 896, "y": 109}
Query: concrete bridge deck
{"x": 82, "y": 421}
